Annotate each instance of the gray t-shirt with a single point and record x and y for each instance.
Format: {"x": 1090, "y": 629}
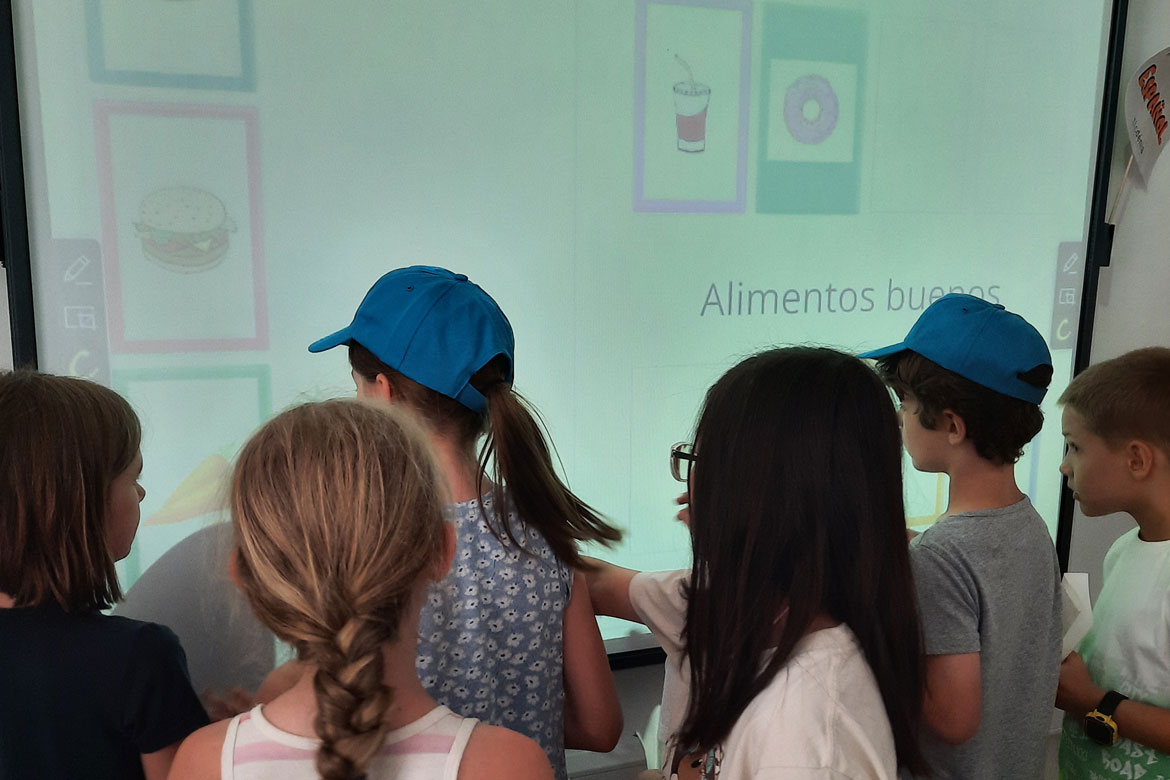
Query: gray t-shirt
{"x": 989, "y": 583}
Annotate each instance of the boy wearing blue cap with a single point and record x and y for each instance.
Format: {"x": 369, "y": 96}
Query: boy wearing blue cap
{"x": 970, "y": 376}
{"x": 1116, "y": 687}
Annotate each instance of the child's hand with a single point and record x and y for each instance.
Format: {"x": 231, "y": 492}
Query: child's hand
{"x": 684, "y": 514}
{"x": 228, "y": 704}
{"x": 1077, "y": 693}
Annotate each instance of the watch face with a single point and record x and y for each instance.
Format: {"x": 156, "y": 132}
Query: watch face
{"x": 1099, "y": 731}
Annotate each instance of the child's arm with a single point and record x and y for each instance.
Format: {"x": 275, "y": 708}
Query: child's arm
{"x": 953, "y": 704}
{"x": 199, "y": 755}
{"x": 609, "y": 590}
{"x": 593, "y": 715}
{"x": 609, "y": 585}
{"x": 160, "y": 708}
{"x": 156, "y": 765}
{"x": 1144, "y": 724}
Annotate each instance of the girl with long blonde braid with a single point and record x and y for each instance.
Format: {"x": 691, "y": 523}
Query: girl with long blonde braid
{"x": 339, "y": 530}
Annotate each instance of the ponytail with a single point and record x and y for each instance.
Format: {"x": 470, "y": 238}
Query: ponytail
{"x": 523, "y": 464}
{"x": 515, "y": 455}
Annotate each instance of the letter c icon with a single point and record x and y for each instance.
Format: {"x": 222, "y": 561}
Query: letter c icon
{"x": 74, "y": 370}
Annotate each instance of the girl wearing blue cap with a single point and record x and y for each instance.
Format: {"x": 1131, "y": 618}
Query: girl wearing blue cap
{"x": 509, "y": 636}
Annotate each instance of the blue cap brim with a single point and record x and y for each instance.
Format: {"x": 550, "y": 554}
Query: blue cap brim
{"x": 332, "y": 340}
{"x": 877, "y": 354}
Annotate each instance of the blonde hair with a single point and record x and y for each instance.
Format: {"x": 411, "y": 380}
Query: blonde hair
{"x": 62, "y": 442}
{"x": 338, "y": 512}
{"x": 1125, "y": 398}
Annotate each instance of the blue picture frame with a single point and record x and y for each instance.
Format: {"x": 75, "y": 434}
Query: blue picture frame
{"x": 99, "y": 72}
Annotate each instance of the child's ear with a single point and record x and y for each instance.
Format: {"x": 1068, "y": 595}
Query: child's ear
{"x": 382, "y": 388}
{"x": 954, "y": 425}
{"x": 376, "y": 389}
{"x": 1139, "y": 457}
{"x": 443, "y": 564}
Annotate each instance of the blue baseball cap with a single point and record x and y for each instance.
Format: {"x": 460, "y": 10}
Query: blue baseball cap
{"x": 433, "y": 326}
{"x": 980, "y": 341}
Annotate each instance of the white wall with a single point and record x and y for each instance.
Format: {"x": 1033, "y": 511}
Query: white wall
{"x": 1131, "y": 304}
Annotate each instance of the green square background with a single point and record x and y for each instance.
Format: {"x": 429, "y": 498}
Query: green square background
{"x": 801, "y": 33}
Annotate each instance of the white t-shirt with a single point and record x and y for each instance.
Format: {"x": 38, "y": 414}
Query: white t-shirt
{"x": 821, "y": 717}
{"x": 430, "y": 748}
{"x": 656, "y": 597}
{"x": 1127, "y": 650}
{"x": 1129, "y": 645}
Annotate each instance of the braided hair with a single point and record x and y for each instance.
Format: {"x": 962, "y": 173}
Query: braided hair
{"x": 338, "y": 512}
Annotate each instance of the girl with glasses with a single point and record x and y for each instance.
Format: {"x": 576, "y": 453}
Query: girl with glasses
{"x": 795, "y": 633}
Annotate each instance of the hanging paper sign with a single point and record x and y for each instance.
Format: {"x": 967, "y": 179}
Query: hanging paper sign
{"x": 1145, "y": 111}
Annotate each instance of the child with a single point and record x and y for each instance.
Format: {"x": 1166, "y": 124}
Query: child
{"x": 795, "y": 626}
{"x": 509, "y": 636}
{"x": 1116, "y": 426}
{"x": 970, "y": 376}
{"x": 82, "y": 694}
{"x": 339, "y": 529}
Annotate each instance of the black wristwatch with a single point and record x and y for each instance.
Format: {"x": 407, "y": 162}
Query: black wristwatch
{"x": 1099, "y": 724}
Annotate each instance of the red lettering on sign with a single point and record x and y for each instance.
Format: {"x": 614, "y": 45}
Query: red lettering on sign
{"x": 1154, "y": 103}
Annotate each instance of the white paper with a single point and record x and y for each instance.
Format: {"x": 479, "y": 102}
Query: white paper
{"x": 1077, "y": 613}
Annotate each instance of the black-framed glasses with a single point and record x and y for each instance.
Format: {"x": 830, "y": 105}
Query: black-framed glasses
{"x": 682, "y": 455}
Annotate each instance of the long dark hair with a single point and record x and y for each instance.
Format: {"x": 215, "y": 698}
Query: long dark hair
{"x": 796, "y": 499}
{"x": 514, "y": 454}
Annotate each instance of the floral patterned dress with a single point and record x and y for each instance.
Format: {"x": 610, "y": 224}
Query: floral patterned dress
{"x": 492, "y": 632}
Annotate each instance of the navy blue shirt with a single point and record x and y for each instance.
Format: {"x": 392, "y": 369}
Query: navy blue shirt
{"x": 85, "y": 695}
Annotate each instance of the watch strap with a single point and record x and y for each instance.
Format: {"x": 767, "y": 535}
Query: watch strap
{"x": 1108, "y": 704}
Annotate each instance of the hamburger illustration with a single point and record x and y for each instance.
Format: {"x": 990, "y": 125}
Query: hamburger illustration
{"x": 184, "y": 229}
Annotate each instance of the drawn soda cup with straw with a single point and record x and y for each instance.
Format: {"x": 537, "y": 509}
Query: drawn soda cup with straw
{"x": 690, "y": 111}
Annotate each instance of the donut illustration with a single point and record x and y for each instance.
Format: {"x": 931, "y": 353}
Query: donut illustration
{"x": 184, "y": 229}
{"x": 818, "y": 91}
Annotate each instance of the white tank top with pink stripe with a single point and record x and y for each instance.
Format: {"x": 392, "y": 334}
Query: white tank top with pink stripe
{"x": 428, "y": 749}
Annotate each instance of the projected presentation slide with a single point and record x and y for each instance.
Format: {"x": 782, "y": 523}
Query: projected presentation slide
{"x": 651, "y": 190}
